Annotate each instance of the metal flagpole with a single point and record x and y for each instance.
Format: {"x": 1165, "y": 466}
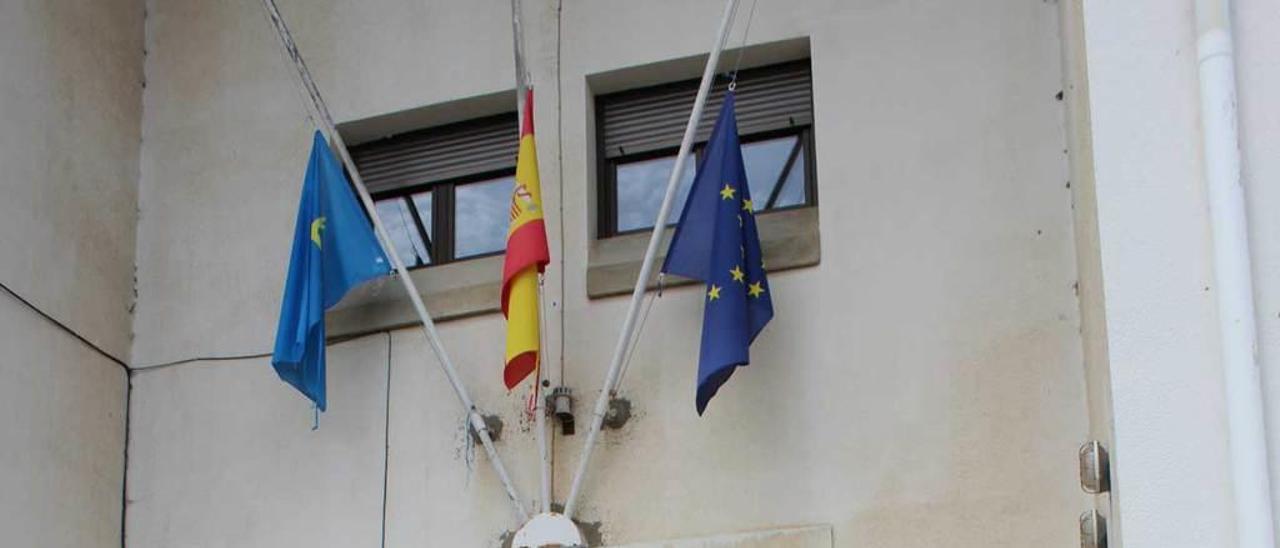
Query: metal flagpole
{"x": 522, "y": 77}
{"x": 540, "y": 406}
{"x": 539, "y": 409}
{"x": 428, "y": 326}
{"x": 646, "y": 267}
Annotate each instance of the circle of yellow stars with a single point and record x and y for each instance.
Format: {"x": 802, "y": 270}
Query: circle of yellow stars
{"x": 754, "y": 289}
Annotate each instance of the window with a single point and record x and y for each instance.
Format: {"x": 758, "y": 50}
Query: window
{"x": 443, "y": 192}
{"x": 639, "y": 133}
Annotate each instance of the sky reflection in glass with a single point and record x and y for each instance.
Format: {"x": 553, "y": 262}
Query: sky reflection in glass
{"x": 640, "y": 184}
{"x": 398, "y": 221}
{"x": 481, "y": 216}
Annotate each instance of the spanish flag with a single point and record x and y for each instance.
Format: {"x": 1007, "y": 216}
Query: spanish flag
{"x": 527, "y": 256}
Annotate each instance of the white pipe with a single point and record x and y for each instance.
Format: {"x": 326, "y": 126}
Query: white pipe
{"x": 646, "y": 266}
{"x": 1232, "y": 270}
{"x": 428, "y": 326}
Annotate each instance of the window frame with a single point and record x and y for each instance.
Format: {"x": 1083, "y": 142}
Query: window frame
{"x": 607, "y": 191}
{"x": 607, "y": 168}
{"x": 440, "y": 236}
{"x": 441, "y": 249}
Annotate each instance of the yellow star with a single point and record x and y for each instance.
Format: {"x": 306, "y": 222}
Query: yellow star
{"x": 747, "y": 205}
{"x": 738, "y": 274}
{"x": 714, "y": 293}
{"x": 727, "y": 192}
{"x": 755, "y": 290}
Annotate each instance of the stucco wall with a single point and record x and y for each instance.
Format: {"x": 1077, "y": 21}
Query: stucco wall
{"x": 1258, "y": 78}
{"x": 70, "y": 102}
{"x": 227, "y": 142}
{"x": 70, "y": 109}
{"x": 922, "y": 386}
{"x": 62, "y": 417}
{"x": 1170, "y": 453}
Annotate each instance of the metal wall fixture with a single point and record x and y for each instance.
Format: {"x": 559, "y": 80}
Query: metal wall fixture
{"x": 560, "y": 402}
{"x": 618, "y": 414}
{"x": 1093, "y": 530}
{"x": 1095, "y": 468}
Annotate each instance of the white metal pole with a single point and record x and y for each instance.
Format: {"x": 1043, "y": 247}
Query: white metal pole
{"x": 1232, "y": 270}
{"x": 539, "y": 409}
{"x": 646, "y": 266}
{"x": 517, "y": 46}
{"x": 428, "y": 326}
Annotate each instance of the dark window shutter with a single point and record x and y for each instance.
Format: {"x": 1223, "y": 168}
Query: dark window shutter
{"x": 769, "y": 98}
{"x": 437, "y": 154}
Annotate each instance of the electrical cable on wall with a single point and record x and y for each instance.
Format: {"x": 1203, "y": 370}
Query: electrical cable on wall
{"x": 63, "y": 327}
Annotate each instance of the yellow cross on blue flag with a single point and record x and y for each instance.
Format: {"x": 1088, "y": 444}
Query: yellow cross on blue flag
{"x": 716, "y": 243}
{"x": 334, "y": 249}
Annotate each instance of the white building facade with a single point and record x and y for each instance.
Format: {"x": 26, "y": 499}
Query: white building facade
{"x": 1003, "y": 248}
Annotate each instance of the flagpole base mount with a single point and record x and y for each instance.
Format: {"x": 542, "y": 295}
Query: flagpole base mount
{"x": 548, "y": 529}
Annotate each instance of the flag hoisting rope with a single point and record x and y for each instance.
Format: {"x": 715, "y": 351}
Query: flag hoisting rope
{"x": 646, "y": 266}
{"x": 428, "y": 326}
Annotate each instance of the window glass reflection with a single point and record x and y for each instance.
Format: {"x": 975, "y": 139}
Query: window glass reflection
{"x": 793, "y": 190}
{"x": 481, "y": 217}
{"x": 641, "y": 186}
{"x": 398, "y": 221}
{"x": 422, "y": 201}
{"x": 764, "y": 161}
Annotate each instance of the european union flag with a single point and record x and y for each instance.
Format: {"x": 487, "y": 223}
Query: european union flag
{"x": 334, "y": 249}
{"x": 716, "y": 242}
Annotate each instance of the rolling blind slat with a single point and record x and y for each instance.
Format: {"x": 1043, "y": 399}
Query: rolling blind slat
{"x": 769, "y": 98}
{"x": 438, "y": 154}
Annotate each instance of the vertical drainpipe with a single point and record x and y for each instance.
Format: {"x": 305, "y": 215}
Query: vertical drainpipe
{"x": 1232, "y": 270}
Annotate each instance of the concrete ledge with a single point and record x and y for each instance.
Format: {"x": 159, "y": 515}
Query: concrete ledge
{"x": 788, "y": 238}
{"x": 450, "y": 291}
{"x": 818, "y": 536}
{"x": 472, "y": 287}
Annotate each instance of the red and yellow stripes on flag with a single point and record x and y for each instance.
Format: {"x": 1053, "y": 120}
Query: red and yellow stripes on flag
{"x": 527, "y": 256}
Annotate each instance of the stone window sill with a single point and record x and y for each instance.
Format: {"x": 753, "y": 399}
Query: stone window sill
{"x": 789, "y": 239}
{"x": 472, "y": 287}
{"x": 453, "y": 290}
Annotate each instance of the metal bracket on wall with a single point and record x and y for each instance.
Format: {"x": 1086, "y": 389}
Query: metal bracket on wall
{"x": 493, "y": 424}
{"x": 560, "y": 402}
{"x": 618, "y": 414}
{"x": 1095, "y": 468}
{"x": 1093, "y": 530}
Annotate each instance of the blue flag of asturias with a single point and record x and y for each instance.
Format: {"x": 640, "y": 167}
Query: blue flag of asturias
{"x": 716, "y": 243}
{"x": 334, "y": 249}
